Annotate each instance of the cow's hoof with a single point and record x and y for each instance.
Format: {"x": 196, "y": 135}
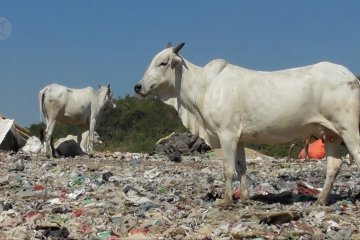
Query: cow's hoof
{"x": 244, "y": 196}
{"x": 223, "y": 204}
{"x": 245, "y": 201}
{"x": 57, "y": 155}
{"x": 320, "y": 202}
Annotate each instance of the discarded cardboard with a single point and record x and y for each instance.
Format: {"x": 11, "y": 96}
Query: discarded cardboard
{"x": 10, "y": 138}
{"x": 23, "y": 132}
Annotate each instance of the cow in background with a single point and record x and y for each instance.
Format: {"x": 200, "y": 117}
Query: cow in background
{"x": 70, "y": 106}
{"x": 228, "y": 105}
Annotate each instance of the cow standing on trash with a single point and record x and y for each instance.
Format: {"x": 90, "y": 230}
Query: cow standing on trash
{"x": 73, "y": 107}
{"x": 228, "y": 105}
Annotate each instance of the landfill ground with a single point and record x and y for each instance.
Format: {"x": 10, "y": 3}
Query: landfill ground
{"x": 137, "y": 196}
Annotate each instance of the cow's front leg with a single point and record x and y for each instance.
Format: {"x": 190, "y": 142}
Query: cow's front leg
{"x": 91, "y": 136}
{"x": 333, "y": 167}
{"x": 240, "y": 166}
{"x": 228, "y": 147}
{"x": 334, "y": 163}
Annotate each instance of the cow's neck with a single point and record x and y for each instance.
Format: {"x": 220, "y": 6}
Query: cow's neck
{"x": 100, "y": 99}
{"x": 187, "y": 97}
{"x": 191, "y": 85}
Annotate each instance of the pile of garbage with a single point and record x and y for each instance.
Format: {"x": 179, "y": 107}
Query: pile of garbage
{"x": 178, "y": 144}
{"x": 138, "y": 196}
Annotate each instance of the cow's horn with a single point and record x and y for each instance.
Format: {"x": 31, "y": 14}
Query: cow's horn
{"x": 169, "y": 45}
{"x": 177, "y": 49}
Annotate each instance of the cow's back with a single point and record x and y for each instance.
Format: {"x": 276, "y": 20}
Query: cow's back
{"x": 56, "y": 93}
{"x": 276, "y": 106}
{"x": 68, "y": 105}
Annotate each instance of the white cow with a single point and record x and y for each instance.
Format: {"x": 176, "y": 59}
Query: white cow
{"x": 228, "y": 105}
{"x": 72, "y": 107}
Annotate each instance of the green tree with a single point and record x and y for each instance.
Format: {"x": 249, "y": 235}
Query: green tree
{"x": 136, "y": 124}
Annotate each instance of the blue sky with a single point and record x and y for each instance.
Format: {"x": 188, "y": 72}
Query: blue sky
{"x": 87, "y": 43}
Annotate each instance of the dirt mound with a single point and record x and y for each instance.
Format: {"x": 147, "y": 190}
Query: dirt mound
{"x": 248, "y": 152}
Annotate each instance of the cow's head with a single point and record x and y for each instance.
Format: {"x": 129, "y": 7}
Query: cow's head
{"x": 105, "y": 97}
{"x": 160, "y": 75}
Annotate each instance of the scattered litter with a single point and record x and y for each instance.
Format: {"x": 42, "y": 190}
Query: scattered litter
{"x": 76, "y": 193}
{"x": 280, "y": 217}
{"x": 307, "y": 190}
{"x": 61, "y": 233}
{"x": 106, "y": 176}
{"x": 139, "y": 196}
{"x": 33, "y": 146}
{"x": 151, "y": 174}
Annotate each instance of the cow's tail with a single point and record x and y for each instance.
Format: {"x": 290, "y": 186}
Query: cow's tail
{"x": 43, "y": 114}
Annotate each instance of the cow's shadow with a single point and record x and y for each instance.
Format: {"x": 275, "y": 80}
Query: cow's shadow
{"x": 288, "y": 198}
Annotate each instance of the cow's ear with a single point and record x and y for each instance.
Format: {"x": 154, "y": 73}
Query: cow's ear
{"x": 175, "y": 60}
{"x": 108, "y": 85}
{"x": 169, "y": 45}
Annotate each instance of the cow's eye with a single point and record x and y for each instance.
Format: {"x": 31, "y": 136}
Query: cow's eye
{"x": 163, "y": 64}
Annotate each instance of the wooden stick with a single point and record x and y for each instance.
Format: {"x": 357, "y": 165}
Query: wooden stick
{"x": 24, "y": 135}
{"x": 25, "y": 130}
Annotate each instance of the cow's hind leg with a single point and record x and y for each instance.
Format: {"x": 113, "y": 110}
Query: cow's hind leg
{"x": 229, "y": 148}
{"x": 334, "y": 162}
{"x": 352, "y": 142}
{"x": 306, "y": 147}
{"x": 240, "y": 166}
{"x": 290, "y": 151}
{"x": 50, "y": 125}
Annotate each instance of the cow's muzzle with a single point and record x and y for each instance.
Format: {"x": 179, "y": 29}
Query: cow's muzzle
{"x": 137, "y": 88}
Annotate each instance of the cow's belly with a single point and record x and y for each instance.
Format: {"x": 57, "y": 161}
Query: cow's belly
{"x": 269, "y": 135}
{"x": 75, "y": 115}
{"x": 262, "y": 127}
{"x": 274, "y": 134}
{"x": 73, "y": 120}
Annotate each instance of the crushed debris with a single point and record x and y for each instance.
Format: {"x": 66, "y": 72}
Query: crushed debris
{"x": 137, "y": 196}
